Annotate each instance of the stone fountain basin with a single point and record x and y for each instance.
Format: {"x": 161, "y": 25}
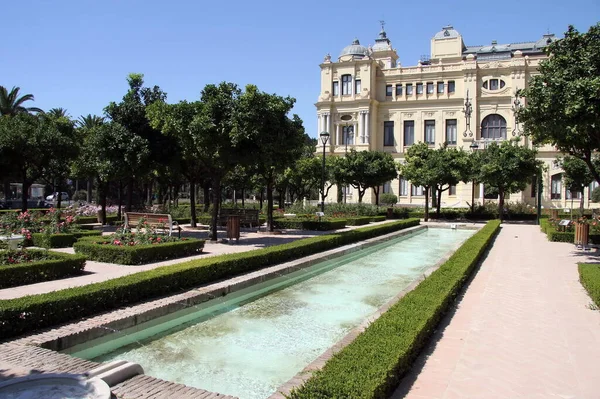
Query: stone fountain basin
{"x": 54, "y": 386}
{"x": 12, "y": 240}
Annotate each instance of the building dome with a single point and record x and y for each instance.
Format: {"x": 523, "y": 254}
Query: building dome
{"x": 446, "y": 33}
{"x": 382, "y": 43}
{"x": 355, "y": 49}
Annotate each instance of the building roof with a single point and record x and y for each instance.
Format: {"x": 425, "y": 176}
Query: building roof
{"x": 447, "y": 31}
{"x": 524, "y": 47}
{"x": 355, "y": 49}
{"x": 382, "y": 43}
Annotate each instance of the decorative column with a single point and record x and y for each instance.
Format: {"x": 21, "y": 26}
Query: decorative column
{"x": 327, "y": 124}
{"x": 319, "y": 125}
{"x": 367, "y": 128}
{"x": 361, "y": 127}
{"x": 338, "y": 135}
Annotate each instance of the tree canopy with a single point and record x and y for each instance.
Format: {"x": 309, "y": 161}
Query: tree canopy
{"x": 562, "y": 101}
{"x": 368, "y": 169}
{"x": 11, "y": 103}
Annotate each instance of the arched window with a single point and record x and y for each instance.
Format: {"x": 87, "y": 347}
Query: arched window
{"x": 493, "y": 127}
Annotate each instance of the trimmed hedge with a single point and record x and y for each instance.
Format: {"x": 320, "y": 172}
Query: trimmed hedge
{"x": 373, "y": 364}
{"x": 563, "y": 236}
{"x": 61, "y": 240}
{"x": 358, "y": 220}
{"x": 61, "y": 265}
{"x": 589, "y": 275}
{"x": 315, "y": 225}
{"x": 380, "y": 218}
{"x": 56, "y": 307}
{"x": 138, "y": 254}
{"x": 94, "y": 219}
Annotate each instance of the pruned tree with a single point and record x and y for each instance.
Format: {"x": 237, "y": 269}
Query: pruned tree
{"x": 419, "y": 167}
{"x": 577, "y": 175}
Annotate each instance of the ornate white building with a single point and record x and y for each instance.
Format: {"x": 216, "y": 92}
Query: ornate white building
{"x": 368, "y": 100}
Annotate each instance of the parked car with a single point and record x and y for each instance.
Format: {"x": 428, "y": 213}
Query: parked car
{"x": 53, "y": 197}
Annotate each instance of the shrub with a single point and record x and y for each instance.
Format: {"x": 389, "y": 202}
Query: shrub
{"x": 61, "y": 240}
{"x": 589, "y": 275}
{"x": 596, "y": 195}
{"x": 359, "y": 220}
{"x": 308, "y": 224}
{"x": 373, "y": 364}
{"x": 51, "y": 308}
{"x": 388, "y": 199}
{"x": 56, "y": 265}
{"x": 94, "y": 249}
{"x": 379, "y": 218}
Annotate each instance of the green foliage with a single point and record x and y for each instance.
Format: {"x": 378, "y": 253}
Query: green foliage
{"x": 309, "y": 224}
{"x": 373, "y": 364}
{"x": 379, "y": 218}
{"x": 11, "y": 103}
{"x": 95, "y": 249}
{"x": 577, "y": 175}
{"x": 358, "y": 220}
{"x": 56, "y": 265}
{"x": 596, "y": 195}
{"x": 388, "y": 199}
{"x": 562, "y": 98}
{"x": 589, "y": 275}
{"x": 61, "y": 240}
{"x": 419, "y": 167}
{"x": 56, "y": 307}
{"x": 368, "y": 169}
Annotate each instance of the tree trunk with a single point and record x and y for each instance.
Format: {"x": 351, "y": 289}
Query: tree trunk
{"x": 102, "y": 188}
{"x": 581, "y": 204}
{"x": 58, "y": 199}
{"x": 7, "y": 189}
{"x": 261, "y": 197}
{"x": 376, "y": 189}
{"x": 270, "y": 205}
{"x": 434, "y": 197}
{"x": 90, "y": 186}
{"x": 119, "y": 200}
{"x": 193, "y": 203}
{"x": 129, "y": 195}
{"x": 150, "y": 198}
{"x": 439, "y": 203}
{"x": 361, "y": 194}
{"x": 501, "y": 204}
{"x": 24, "y": 194}
{"x": 243, "y": 197}
{"x": 281, "y": 198}
{"x": 206, "y": 188}
{"x": 215, "y": 212}
{"x": 340, "y": 194}
{"x": 426, "y": 218}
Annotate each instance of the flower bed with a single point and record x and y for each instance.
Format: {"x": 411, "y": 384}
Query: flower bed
{"x": 589, "y": 275}
{"x": 373, "y": 364}
{"x": 56, "y": 307}
{"x": 550, "y": 228}
{"x": 113, "y": 250}
{"x": 309, "y": 224}
{"x": 33, "y": 266}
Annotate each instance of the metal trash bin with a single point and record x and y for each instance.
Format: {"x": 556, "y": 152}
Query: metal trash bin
{"x": 233, "y": 227}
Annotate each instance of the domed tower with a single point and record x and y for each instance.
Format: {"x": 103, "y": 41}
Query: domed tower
{"x": 353, "y": 52}
{"x": 382, "y": 49}
{"x": 447, "y": 44}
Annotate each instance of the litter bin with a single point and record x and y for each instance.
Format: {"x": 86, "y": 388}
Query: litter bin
{"x": 582, "y": 234}
{"x": 554, "y": 214}
{"x": 233, "y": 227}
{"x": 390, "y": 213}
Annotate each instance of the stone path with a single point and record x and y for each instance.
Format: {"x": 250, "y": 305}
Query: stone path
{"x": 523, "y": 329}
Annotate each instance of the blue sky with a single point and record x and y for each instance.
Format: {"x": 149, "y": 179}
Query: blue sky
{"x": 77, "y": 54}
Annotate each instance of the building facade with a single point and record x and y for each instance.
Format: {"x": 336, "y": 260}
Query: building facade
{"x": 369, "y": 101}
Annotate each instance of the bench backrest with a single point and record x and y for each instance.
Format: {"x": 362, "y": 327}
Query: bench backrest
{"x": 132, "y": 219}
{"x": 245, "y": 214}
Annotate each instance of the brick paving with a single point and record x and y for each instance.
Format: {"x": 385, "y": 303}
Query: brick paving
{"x": 524, "y": 328}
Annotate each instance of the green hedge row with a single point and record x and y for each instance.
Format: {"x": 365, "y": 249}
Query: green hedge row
{"x": 61, "y": 240}
{"x": 453, "y": 215}
{"x": 56, "y": 307}
{"x": 43, "y": 210}
{"x": 563, "y": 236}
{"x": 380, "y": 218}
{"x": 61, "y": 265}
{"x": 589, "y": 275}
{"x": 138, "y": 254}
{"x": 373, "y": 364}
{"x": 315, "y": 225}
{"x": 94, "y": 219}
{"x": 358, "y": 220}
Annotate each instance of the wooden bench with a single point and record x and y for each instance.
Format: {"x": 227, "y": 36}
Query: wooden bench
{"x": 156, "y": 220}
{"x": 247, "y": 216}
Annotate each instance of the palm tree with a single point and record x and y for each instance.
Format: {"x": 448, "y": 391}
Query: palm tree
{"x": 12, "y": 104}
{"x": 90, "y": 121}
{"x": 58, "y": 113}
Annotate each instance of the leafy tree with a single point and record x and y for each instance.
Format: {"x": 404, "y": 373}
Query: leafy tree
{"x": 562, "y": 100}
{"x": 272, "y": 141}
{"x": 419, "y": 167}
{"x": 11, "y": 103}
{"x": 89, "y": 121}
{"x": 109, "y": 152}
{"x": 389, "y": 199}
{"x": 304, "y": 176}
{"x": 369, "y": 169}
{"x": 58, "y": 113}
{"x": 508, "y": 167}
{"x": 577, "y": 175}
{"x": 239, "y": 179}
{"x": 450, "y": 166}
{"x": 131, "y": 114}
{"x": 30, "y": 144}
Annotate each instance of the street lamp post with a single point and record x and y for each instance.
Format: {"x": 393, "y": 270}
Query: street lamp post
{"x": 474, "y": 146}
{"x": 516, "y": 107}
{"x": 324, "y": 138}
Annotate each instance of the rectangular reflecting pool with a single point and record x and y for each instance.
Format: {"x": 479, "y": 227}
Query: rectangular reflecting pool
{"x": 250, "y": 342}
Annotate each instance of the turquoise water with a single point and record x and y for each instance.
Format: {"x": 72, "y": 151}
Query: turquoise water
{"x": 249, "y": 343}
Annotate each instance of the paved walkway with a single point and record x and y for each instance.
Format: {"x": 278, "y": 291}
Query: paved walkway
{"x": 99, "y": 271}
{"x": 523, "y": 329}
